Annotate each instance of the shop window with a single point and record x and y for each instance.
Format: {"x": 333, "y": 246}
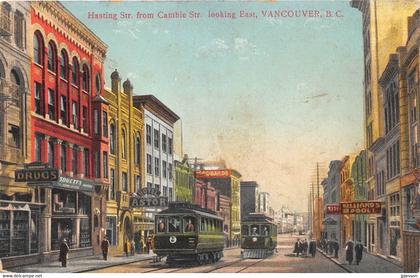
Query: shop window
{"x": 4, "y": 233}
{"x": 111, "y": 229}
{"x": 63, "y": 228}
{"x": 85, "y": 233}
{"x": 63, "y": 202}
{"x": 245, "y": 230}
{"x": 34, "y": 232}
{"x": 14, "y": 136}
{"x": 20, "y": 236}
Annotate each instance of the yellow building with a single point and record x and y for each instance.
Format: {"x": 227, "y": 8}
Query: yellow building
{"x": 125, "y": 166}
{"x": 384, "y": 26}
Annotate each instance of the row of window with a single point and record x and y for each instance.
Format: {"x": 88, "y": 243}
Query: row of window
{"x": 112, "y": 144}
{"x": 52, "y": 155}
{"x": 124, "y": 184}
{"x": 177, "y": 224}
{"x": 167, "y": 144}
{"x": 393, "y": 160}
{"x": 52, "y": 64}
{"x": 55, "y": 99}
{"x": 166, "y": 167}
{"x": 166, "y": 191}
{"x": 18, "y": 25}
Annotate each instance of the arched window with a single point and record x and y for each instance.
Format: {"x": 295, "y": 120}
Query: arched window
{"x": 14, "y": 77}
{"x": 63, "y": 64}
{"x": 97, "y": 84}
{"x": 112, "y": 138}
{"x": 85, "y": 79}
{"x": 51, "y": 56}
{"x": 123, "y": 145}
{"x": 138, "y": 149}
{"x": 38, "y": 46}
{"x": 75, "y": 72}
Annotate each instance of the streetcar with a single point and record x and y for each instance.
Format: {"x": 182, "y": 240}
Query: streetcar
{"x": 258, "y": 236}
{"x": 186, "y": 232}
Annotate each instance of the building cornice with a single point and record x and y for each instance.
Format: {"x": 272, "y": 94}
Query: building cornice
{"x": 69, "y": 26}
{"x": 150, "y": 102}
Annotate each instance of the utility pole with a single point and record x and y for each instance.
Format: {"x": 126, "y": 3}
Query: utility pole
{"x": 317, "y": 203}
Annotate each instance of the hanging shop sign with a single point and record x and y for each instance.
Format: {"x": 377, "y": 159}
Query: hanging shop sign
{"x": 148, "y": 197}
{"x": 360, "y": 207}
{"x": 36, "y": 173}
{"x": 333, "y": 209}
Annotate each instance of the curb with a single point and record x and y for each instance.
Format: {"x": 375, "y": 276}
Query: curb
{"x": 335, "y": 261}
{"x": 107, "y": 266}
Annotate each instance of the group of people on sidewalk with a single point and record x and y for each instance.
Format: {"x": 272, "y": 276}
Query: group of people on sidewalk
{"x": 302, "y": 247}
{"x": 330, "y": 247}
{"x": 129, "y": 249}
{"x": 358, "y": 250}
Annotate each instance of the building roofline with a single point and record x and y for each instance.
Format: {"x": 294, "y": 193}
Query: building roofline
{"x": 154, "y": 101}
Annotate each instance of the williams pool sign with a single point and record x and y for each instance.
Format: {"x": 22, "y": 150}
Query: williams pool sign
{"x": 148, "y": 197}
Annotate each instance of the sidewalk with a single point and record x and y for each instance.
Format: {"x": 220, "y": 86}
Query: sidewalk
{"x": 80, "y": 264}
{"x": 369, "y": 264}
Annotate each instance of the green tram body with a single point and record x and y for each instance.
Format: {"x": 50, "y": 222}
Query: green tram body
{"x": 204, "y": 243}
{"x": 258, "y": 236}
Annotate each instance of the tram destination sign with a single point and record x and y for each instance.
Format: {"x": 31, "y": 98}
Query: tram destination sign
{"x": 148, "y": 197}
{"x": 361, "y": 207}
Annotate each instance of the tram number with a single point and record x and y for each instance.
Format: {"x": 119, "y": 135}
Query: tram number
{"x": 172, "y": 239}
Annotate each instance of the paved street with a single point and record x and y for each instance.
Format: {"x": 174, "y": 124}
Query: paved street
{"x": 283, "y": 261}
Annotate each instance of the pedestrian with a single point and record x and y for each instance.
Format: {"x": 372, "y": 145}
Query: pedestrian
{"x": 64, "y": 250}
{"x": 312, "y": 248}
{"x": 358, "y": 249}
{"x": 297, "y": 247}
{"x": 305, "y": 247}
{"x": 336, "y": 248}
{"x": 149, "y": 244}
{"x": 132, "y": 247}
{"x": 105, "y": 248}
{"x": 125, "y": 248}
{"x": 349, "y": 251}
{"x": 142, "y": 245}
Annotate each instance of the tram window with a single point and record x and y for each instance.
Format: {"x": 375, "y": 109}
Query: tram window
{"x": 161, "y": 225}
{"x": 189, "y": 224}
{"x": 265, "y": 230}
{"x": 245, "y": 230}
{"x": 255, "y": 230}
{"x": 206, "y": 225}
{"x": 174, "y": 224}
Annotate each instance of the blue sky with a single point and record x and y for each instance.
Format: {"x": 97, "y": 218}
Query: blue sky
{"x": 270, "y": 96}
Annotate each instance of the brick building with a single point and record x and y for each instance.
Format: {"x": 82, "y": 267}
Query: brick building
{"x": 69, "y": 129}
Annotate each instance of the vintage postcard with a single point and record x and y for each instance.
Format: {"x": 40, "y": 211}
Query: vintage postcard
{"x": 263, "y": 136}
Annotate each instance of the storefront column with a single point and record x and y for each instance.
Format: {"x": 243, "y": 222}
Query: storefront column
{"x": 80, "y": 162}
{"x": 76, "y": 227}
{"x": 69, "y": 159}
{"x": 45, "y": 224}
{"x": 57, "y": 153}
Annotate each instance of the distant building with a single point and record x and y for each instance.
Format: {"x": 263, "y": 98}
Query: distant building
{"x": 184, "y": 181}
{"x": 204, "y": 195}
{"x": 264, "y": 202}
{"x": 249, "y": 197}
